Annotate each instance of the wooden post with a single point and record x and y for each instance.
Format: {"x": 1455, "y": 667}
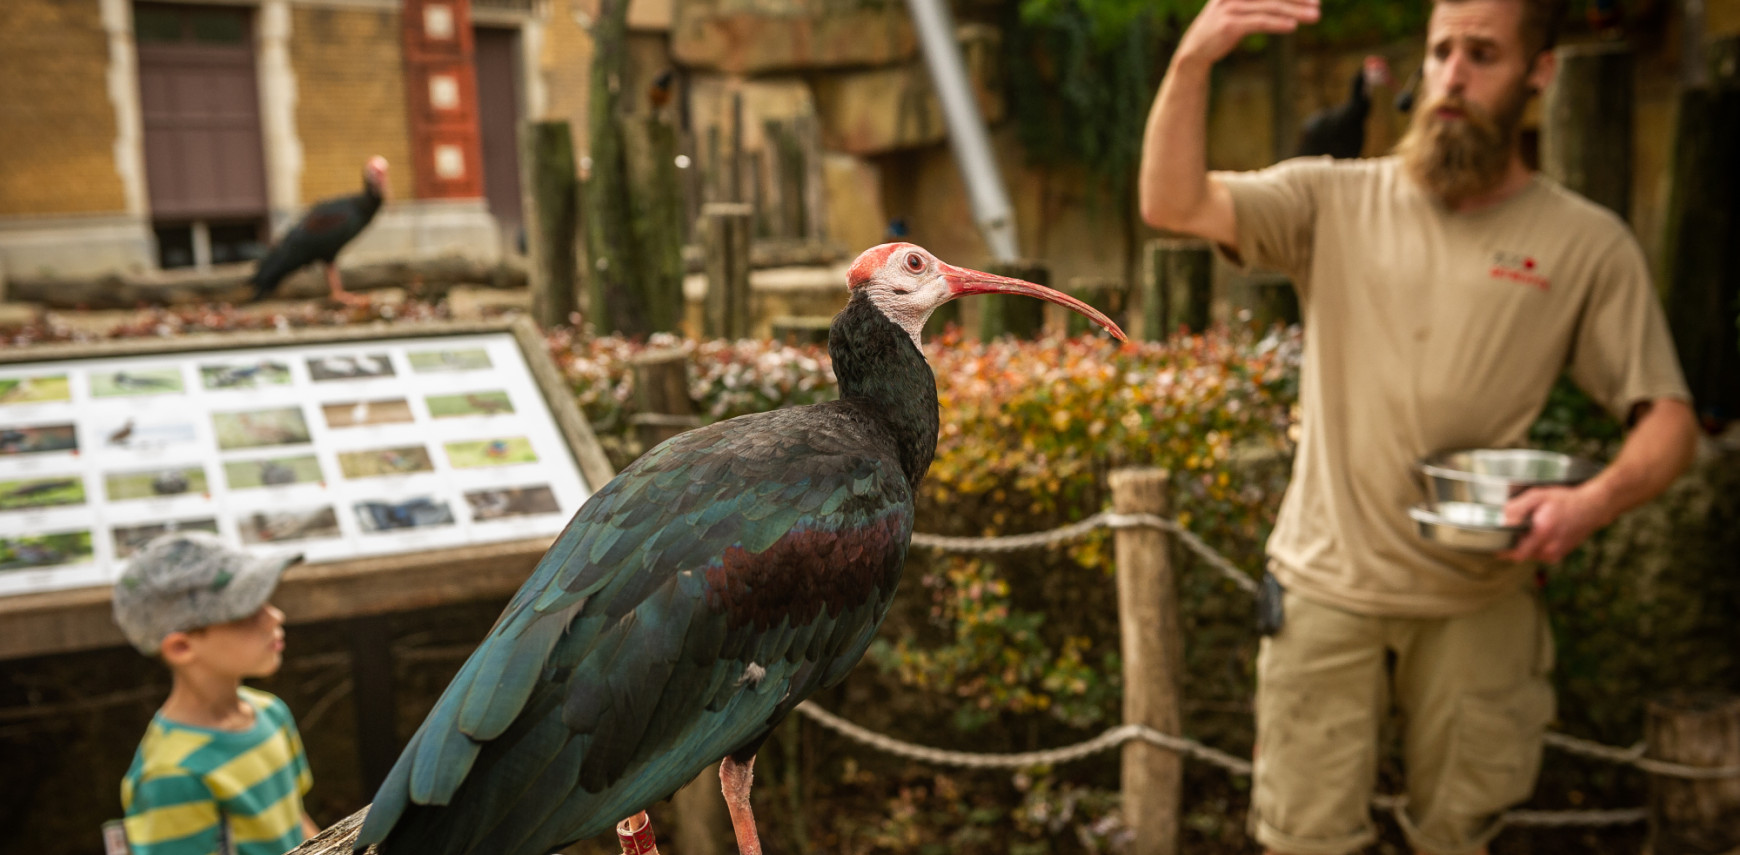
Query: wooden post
{"x": 1586, "y": 123}
{"x": 632, "y": 202}
{"x": 725, "y": 229}
{"x": 1177, "y": 284}
{"x": 549, "y": 201}
{"x": 1701, "y": 285}
{"x": 1284, "y": 93}
{"x": 1152, "y": 644}
{"x": 786, "y": 200}
{"x": 809, "y": 139}
{"x": 656, "y": 202}
{"x": 1008, "y": 314}
{"x": 371, "y": 675}
{"x": 661, "y": 388}
{"x": 703, "y": 826}
{"x": 1692, "y": 816}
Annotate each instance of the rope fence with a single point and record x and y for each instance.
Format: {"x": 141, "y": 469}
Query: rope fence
{"x": 1116, "y": 737}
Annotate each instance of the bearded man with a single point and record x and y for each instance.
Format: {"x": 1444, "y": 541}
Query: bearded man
{"x": 1444, "y": 289}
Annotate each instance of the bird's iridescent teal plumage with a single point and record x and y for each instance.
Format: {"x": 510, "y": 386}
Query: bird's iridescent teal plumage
{"x": 690, "y": 604}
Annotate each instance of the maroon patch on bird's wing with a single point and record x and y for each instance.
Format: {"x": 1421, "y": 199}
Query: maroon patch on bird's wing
{"x": 870, "y": 261}
{"x": 805, "y": 572}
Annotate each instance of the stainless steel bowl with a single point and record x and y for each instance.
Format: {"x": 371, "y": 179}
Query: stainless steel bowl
{"x": 1468, "y": 526}
{"x": 1492, "y": 476}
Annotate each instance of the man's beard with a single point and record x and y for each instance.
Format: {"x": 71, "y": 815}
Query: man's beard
{"x": 1459, "y": 159}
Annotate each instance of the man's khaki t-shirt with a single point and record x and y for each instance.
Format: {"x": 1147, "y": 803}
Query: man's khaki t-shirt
{"x": 1425, "y": 331}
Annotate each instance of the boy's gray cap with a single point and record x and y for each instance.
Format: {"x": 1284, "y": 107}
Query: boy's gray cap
{"x": 188, "y": 579}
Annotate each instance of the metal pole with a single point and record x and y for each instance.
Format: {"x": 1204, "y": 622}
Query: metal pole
{"x": 972, "y": 148}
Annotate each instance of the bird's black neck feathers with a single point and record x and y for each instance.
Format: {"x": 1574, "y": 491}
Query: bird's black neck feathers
{"x": 369, "y": 200}
{"x": 1356, "y": 93}
{"x": 876, "y": 361}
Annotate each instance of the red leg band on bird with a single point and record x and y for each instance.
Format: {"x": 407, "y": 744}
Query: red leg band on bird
{"x": 637, "y": 839}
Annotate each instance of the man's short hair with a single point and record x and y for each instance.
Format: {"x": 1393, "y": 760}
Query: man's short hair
{"x": 1540, "y": 23}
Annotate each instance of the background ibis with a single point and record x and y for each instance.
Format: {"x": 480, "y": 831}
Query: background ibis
{"x": 321, "y": 233}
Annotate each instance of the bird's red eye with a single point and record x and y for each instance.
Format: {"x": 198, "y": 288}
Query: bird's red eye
{"x": 913, "y": 262}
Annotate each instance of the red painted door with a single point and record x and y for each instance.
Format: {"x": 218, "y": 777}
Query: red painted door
{"x": 442, "y": 99}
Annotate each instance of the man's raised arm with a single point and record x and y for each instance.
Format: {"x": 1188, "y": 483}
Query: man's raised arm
{"x": 1174, "y": 187}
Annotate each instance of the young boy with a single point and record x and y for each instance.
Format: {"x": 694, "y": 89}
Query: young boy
{"x": 221, "y": 768}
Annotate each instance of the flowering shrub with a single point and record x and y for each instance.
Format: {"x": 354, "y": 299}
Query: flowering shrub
{"x": 1029, "y": 432}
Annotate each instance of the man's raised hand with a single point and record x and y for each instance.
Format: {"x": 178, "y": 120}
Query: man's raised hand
{"x": 1222, "y": 23}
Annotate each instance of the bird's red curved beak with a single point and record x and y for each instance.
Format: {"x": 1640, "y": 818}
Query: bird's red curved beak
{"x": 963, "y": 282}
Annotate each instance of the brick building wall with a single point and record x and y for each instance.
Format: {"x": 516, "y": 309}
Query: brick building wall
{"x": 57, "y": 124}
{"x": 566, "y": 65}
{"x": 350, "y": 98}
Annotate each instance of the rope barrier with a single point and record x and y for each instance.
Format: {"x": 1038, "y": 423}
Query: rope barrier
{"x": 1632, "y": 756}
{"x": 1078, "y": 530}
{"x": 1115, "y": 737}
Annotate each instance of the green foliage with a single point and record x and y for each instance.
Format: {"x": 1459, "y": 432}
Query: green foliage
{"x": 1082, "y": 73}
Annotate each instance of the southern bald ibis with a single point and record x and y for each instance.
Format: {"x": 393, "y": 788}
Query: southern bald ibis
{"x": 1339, "y": 131}
{"x": 693, "y": 601}
{"x": 321, "y": 233}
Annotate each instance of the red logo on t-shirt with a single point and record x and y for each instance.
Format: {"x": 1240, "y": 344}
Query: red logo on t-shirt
{"x": 1517, "y": 267}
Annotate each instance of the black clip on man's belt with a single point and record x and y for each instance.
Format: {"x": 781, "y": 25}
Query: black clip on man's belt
{"x": 1269, "y": 614}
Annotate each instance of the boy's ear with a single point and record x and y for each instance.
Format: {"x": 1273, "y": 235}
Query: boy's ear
{"x": 176, "y": 648}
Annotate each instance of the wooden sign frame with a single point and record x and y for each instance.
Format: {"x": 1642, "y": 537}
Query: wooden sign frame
{"x": 72, "y": 619}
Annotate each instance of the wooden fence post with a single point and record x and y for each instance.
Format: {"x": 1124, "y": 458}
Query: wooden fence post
{"x": 661, "y": 392}
{"x": 550, "y": 205}
{"x": 1691, "y": 816}
{"x": 1701, "y": 234}
{"x": 1152, "y": 644}
{"x": 1177, "y": 284}
{"x": 1586, "y": 123}
{"x": 703, "y": 826}
{"x": 1007, "y": 314}
{"x": 371, "y": 673}
{"x": 725, "y": 232}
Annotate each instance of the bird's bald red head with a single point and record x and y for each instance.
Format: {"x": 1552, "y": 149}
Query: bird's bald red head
{"x": 1376, "y": 70}
{"x": 906, "y": 284}
{"x": 375, "y": 174}
{"x": 870, "y": 261}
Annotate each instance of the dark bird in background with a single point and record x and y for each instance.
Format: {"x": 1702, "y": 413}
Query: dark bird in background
{"x": 1607, "y": 18}
{"x": 662, "y": 89}
{"x": 1339, "y": 131}
{"x": 1405, "y": 98}
{"x": 693, "y": 601}
{"x": 321, "y": 233}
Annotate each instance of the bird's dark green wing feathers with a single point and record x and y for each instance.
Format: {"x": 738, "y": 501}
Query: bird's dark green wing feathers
{"x": 687, "y": 607}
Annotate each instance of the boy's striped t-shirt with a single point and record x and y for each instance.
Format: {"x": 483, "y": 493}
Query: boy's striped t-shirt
{"x": 190, "y": 787}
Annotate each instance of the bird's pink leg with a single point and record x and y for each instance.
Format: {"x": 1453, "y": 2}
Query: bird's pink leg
{"x": 734, "y": 781}
{"x": 337, "y": 286}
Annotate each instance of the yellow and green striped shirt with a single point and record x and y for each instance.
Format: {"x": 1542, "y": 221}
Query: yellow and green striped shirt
{"x": 187, "y": 784}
